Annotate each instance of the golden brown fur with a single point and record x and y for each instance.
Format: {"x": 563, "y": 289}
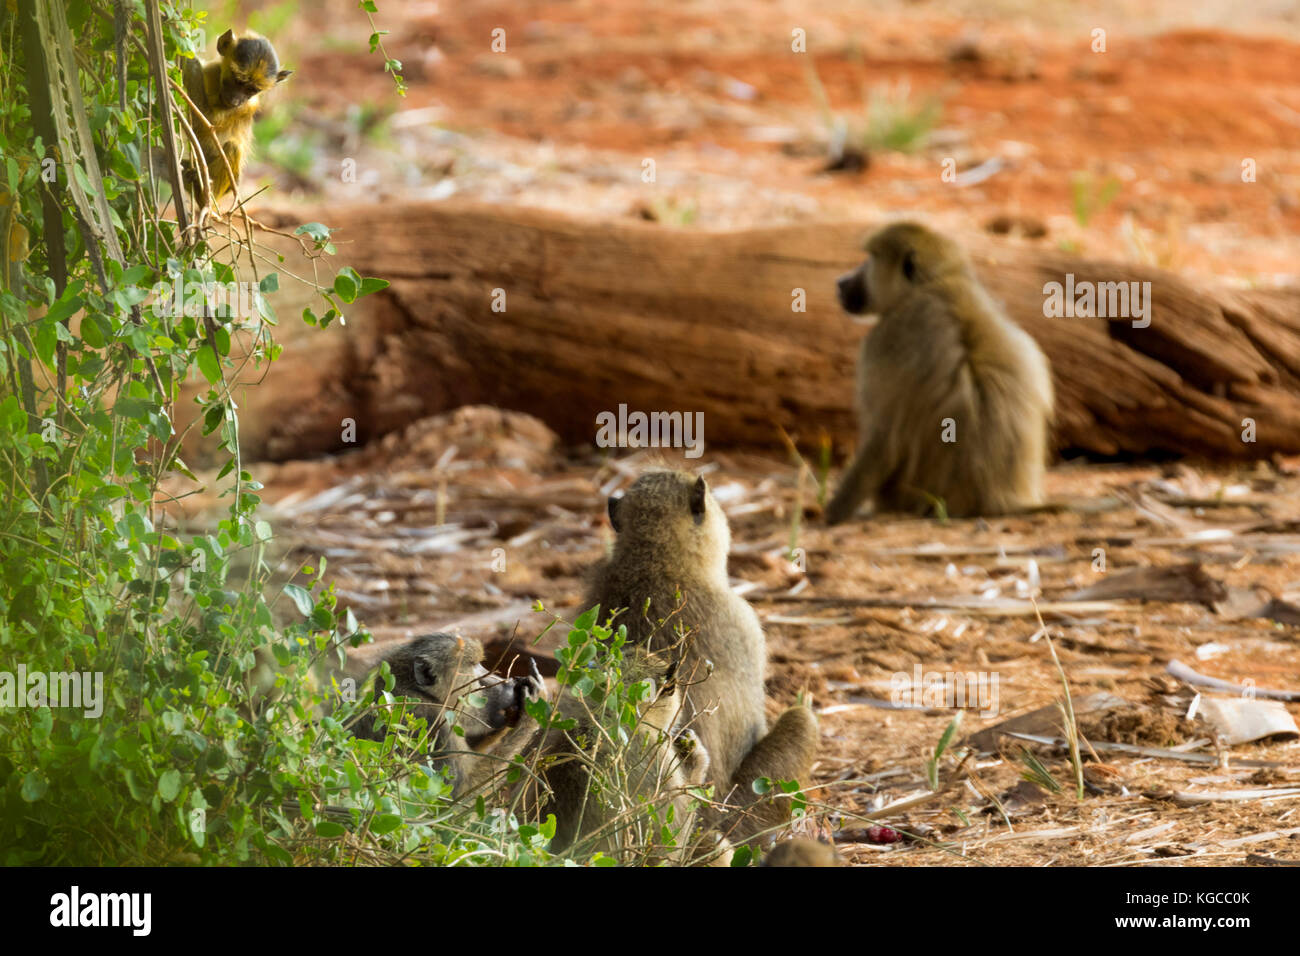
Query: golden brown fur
{"x": 942, "y": 350}
{"x": 672, "y": 536}
{"x": 228, "y": 91}
{"x": 600, "y": 789}
{"x": 800, "y": 851}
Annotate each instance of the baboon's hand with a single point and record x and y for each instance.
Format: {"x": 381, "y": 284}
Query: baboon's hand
{"x": 687, "y": 742}
{"x": 536, "y": 686}
{"x": 527, "y": 688}
{"x": 531, "y": 687}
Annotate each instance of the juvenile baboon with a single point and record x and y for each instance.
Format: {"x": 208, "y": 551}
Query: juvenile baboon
{"x": 954, "y": 399}
{"x": 600, "y": 787}
{"x": 801, "y": 851}
{"x": 445, "y": 674}
{"x": 672, "y": 537}
{"x": 226, "y": 91}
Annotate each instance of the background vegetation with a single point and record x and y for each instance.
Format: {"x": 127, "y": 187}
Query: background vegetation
{"x": 188, "y": 762}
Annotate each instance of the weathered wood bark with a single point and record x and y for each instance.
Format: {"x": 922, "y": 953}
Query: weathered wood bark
{"x": 598, "y": 313}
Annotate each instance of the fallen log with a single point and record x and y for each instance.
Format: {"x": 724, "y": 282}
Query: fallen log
{"x": 565, "y": 318}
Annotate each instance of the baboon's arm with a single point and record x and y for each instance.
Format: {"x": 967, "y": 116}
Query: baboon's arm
{"x": 863, "y": 479}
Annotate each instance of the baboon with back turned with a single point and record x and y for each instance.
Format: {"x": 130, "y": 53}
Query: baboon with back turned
{"x": 954, "y": 400}
{"x": 672, "y": 537}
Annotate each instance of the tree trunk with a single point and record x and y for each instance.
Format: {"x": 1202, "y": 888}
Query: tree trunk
{"x": 564, "y": 319}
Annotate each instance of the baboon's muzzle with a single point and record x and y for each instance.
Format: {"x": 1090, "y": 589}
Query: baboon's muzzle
{"x": 852, "y": 289}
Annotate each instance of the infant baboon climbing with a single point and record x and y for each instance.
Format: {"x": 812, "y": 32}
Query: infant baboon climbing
{"x": 600, "y": 786}
{"x": 953, "y": 399}
{"x": 673, "y": 537}
{"x": 446, "y": 676}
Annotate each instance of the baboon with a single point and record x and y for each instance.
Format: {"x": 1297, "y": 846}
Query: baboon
{"x": 801, "y": 851}
{"x": 445, "y": 674}
{"x": 226, "y": 91}
{"x": 672, "y": 537}
{"x": 954, "y": 400}
{"x": 599, "y": 787}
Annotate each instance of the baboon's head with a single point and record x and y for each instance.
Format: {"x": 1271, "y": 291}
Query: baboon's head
{"x": 249, "y": 66}
{"x": 446, "y": 673}
{"x": 801, "y": 851}
{"x": 900, "y": 257}
{"x": 672, "y": 515}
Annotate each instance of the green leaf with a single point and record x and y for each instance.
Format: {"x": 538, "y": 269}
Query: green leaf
{"x": 94, "y": 331}
{"x": 264, "y": 309}
{"x": 949, "y": 732}
{"x": 328, "y": 828}
{"x": 385, "y": 823}
{"x": 133, "y": 784}
{"x": 212, "y": 419}
{"x": 345, "y": 286}
{"x": 370, "y": 285}
{"x": 301, "y": 597}
{"x": 34, "y": 786}
{"x": 133, "y": 275}
{"x": 169, "y": 785}
{"x": 64, "y": 307}
{"x": 270, "y": 283}
{"x": 315, "y": 230}
{"x": 46, "y": 340}
{"x": 83, "y": 180}
{"x": 42, "y": 724}
{"x": 585, "y": 620}
{"x": 209, "y": 365}
{"x": 12, "y": 416}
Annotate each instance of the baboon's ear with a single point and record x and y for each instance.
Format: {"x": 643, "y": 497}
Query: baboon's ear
{"x": 283, "y": 75}
{"x": 909, "y": 266}
{"x": 698, "y": 491}
{"x": 425, "y": 674}
{"x": 225, "y": 42}
{"x": 612, "y": 507}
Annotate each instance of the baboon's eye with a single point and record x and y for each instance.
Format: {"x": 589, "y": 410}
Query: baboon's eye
{"x": 909, "y": 267}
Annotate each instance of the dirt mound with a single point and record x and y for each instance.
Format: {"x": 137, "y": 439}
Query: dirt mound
{"x": 472, "y": 436}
